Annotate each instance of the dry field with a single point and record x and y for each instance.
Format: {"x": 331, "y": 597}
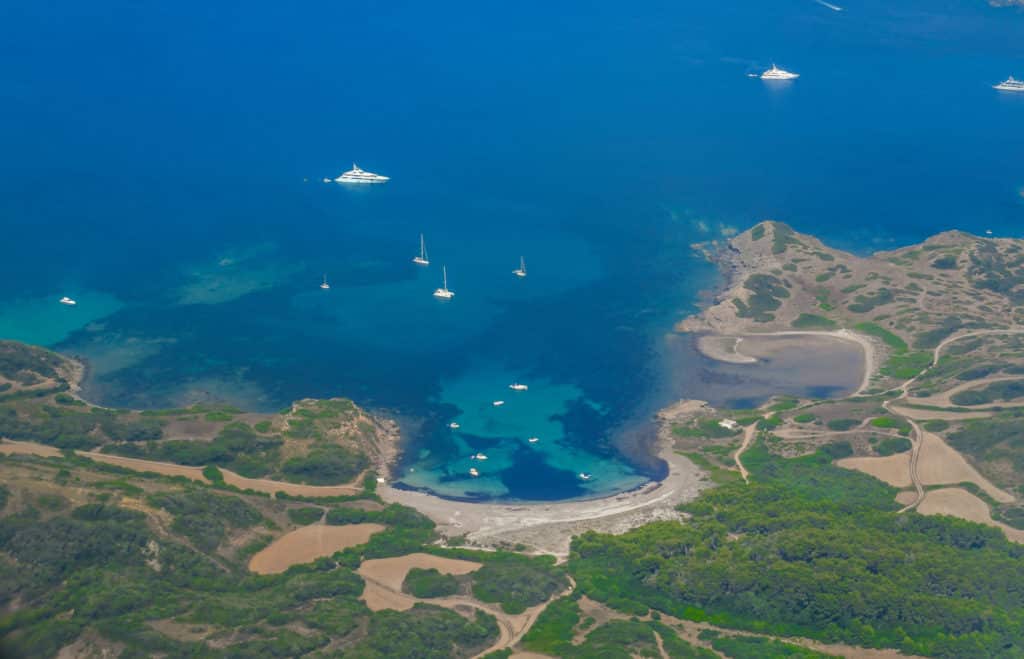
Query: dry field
{"x": 309, "y": 543}
{"x": 893, "y": 469}
{"x": 958, "y": 502}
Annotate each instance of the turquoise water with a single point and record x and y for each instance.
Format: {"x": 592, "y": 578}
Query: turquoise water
{"x": 163, "y": 165}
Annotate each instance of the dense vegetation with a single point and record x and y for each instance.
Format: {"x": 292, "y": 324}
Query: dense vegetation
{"x": 517, "y": 582}
{"x": 758, "y": 647}
{"x": 813, "y": 550}
{"x": 112, "y": 570}
{"x": 429, "y": 583}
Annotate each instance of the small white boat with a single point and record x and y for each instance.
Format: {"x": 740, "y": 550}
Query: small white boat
{"x": 68, "y": 301}
{"x": 454, "y": 426}
{"x": 421, "y": 258}
{"x": 443, "y": 292}
{"x": 515, "y": 386}
{"x": 775, "y": 73}
{"x": 533, "y": 440}
{"x": 325, "y": 285}
{"x": 988, "y": 232}
{"x": 585, "y": 476}
{"x": 356, "y": 175}
{"x": 480, "y": 456}
{"x": 473, "y": 472}
{"x": 521, "y": 271}
{"x": 498, "y": 403}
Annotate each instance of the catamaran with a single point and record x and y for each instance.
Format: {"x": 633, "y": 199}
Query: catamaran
{"x": 443, "y": 292}
{"x": 356, "y": 175}
{"x": 68, "y": 301}
{"x": 421, "y": 258}
{"x": 325, "y": 285}
{"x": 515, "y": 386}
{"x": 521, "y": 272}
{"x": 1011, "y": 84}
{"x": 775, "y": 73}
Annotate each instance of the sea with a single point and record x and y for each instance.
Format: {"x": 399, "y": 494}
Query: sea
{"x": 162, "y": 164}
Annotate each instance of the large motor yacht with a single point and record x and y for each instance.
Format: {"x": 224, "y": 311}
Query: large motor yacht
{"x": 1011, "y": 84}
{"x": 775, "y": 73}
{"x": 356, "y": 175}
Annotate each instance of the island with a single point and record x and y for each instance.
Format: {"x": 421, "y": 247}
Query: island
{"x": 884, "y": 523}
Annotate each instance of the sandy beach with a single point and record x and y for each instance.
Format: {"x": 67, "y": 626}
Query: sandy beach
{"x": 548, "y": 527}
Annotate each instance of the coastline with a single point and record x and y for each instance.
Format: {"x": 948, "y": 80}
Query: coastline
{"x": 547, "y": 527}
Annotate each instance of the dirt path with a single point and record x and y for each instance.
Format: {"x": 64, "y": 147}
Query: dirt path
{"x": 748, "y": 437}
{"x": 918, "y": 436}
{"x": 384, "y": 579}
{"x": 194, "y": 473}
{"x": 944, "y": 399}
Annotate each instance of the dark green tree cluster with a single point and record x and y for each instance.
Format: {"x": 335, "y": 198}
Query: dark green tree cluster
{"x": 429, "y": 583}
{"x": 808, "y": 549}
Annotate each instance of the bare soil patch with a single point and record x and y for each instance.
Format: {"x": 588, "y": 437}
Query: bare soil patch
{"x": 892, "y": 469}
{"x": 390, "y": 572}
{"x": 309, "y": 543}
{"x": 958, "y": 502}
{"x": 940, "y": 464}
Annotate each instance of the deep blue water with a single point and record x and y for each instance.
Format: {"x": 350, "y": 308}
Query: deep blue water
{"x": 161, "y": 164}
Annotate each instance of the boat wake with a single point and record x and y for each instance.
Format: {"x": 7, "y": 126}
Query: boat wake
{"x": 829, "y": 5}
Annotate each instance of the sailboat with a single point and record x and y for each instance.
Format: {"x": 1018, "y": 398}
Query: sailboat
{"x": 521, "y": 272}
{"x": 68, "y": 301}
{"x": 517, "y": 386}
{"x": 421, "y": 259}
{"x": 443, "y": 292}
{"x": 325, "y": 285}
{"x": 585, "y": 476}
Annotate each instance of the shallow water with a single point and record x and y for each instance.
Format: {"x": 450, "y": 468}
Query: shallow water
{"x": 166, "y": 176}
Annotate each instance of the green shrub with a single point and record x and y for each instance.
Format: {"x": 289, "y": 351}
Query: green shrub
{"x": 812, "y": 321}
{"x": 429, "y": 583}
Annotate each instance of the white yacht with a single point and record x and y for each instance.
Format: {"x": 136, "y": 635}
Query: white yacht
{"x": 775, "y": 73}
{"x": 533, "y": 440}
{"x": 325, "y": 285}
{"x": 1011, "y": 84}
{"x": 68, "y": 301}
{"x": 498, "y": 403}
{"x": 356, "y": 175}
{"x": 585, "y": 476}
{"x": 521, "y": 272}
{"x": 421, "y": 258}
{"x": 443, "y": 292}
{"x": 515, "y": 386}
{"x": 473, "y": 472}
{"x": 454, "y": 426}
{"x": 480, "y": 456}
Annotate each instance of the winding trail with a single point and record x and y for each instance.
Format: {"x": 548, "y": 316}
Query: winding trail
{"x": 749, "y": 433}
{"x": 917, "y": 434}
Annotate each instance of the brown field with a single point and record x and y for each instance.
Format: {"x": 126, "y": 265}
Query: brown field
{"x": 309, "y": 543}
{"x": 390, "y": 572}
{"x": 940, "y": 464}
{"x": 958, "y": 502}
{"x": 28, "y": 448}
{"x": 893, "y": 469}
